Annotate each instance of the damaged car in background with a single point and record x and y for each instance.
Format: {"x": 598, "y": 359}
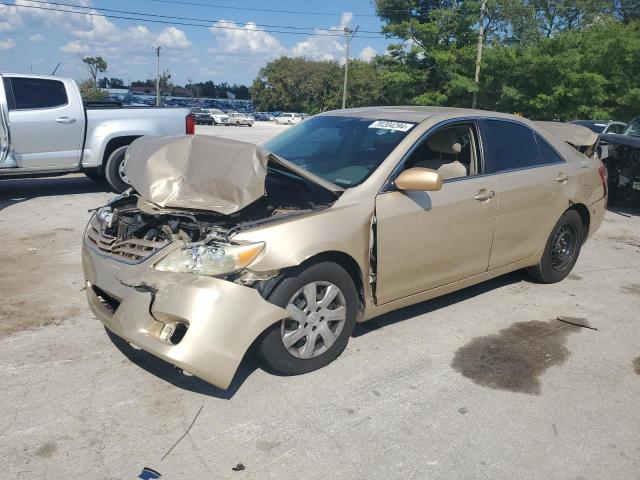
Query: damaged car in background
{"x": 621, "y": 155}
{"x": 221, "y": 244}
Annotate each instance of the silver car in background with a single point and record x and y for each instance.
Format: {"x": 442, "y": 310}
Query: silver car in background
{"x": 238, "y": 119}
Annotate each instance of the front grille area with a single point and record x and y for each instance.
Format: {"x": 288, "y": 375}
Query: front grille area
{"x": 133, "y": 250}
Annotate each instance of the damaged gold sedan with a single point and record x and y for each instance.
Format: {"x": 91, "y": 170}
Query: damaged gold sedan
{"x": 349, "y": 215}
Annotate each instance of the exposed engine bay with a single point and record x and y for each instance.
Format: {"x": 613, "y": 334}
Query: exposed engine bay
{"x": 132, "y": 228}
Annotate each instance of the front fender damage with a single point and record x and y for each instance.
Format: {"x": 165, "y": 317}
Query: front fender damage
{"x": 217, "y": 321}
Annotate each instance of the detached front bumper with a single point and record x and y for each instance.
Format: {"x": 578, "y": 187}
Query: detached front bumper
{"x": 203, "y": 325}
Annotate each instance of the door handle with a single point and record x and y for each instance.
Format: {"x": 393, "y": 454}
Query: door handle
{"x": 485, "y": 195}
{"x": 562, "y": 178}
{"x": 65, "y": 120}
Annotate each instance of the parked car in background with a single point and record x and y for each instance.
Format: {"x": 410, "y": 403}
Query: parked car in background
{"x": 349, "y": 215}
{"x": 45, "y": 129}
{"x": 621, "y": 155}
{"x": 288, "y": 118}
{"x": 218, "y": 116}
{"x": 240, "y": 119}
{"x": 263, "y": 116}
{"x": 600, "y": 126}
{"x": 202, "y": 116}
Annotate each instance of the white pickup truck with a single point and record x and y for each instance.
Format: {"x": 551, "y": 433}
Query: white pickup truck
{"x": 46, "y": 130}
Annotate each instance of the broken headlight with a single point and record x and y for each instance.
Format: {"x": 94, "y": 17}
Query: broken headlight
{"x": 212, "y": 260}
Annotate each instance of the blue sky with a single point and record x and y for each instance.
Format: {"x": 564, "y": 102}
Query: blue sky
{"x": 36, "y": 40}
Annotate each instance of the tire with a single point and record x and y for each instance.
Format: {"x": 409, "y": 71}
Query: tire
{"x": 113, "y": 171}
{"x": 94, "y": 174}
{"x": 561, "y": 250}
{"x": 214, "y": 123}
{"x": 295, "y": 359}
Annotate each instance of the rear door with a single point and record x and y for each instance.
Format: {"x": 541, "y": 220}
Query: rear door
{"x": 531, "y": 187}
{"x": 45, "y": 122}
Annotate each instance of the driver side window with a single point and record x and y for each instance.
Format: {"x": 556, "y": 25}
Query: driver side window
{"x": 451, "y": 150}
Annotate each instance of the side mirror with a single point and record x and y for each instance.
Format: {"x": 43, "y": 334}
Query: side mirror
{"x": 419, "y": 179}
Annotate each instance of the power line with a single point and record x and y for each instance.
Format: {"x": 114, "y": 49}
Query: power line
{"x": 324, "y": 33}
{"x": 264, "y": 10}
{"x": 173, "y": 17}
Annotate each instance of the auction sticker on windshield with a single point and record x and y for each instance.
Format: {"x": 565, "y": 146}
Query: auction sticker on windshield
{"x": 388, "y": 125}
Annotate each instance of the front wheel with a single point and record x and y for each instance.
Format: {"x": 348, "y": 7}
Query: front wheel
{"x": 323, "y": 302}
{"x": 114, "y": 170}
{"x": 561, "y": 250}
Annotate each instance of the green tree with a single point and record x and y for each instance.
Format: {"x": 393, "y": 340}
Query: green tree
{"x": 90, "y": 92}
{"x": 95, "y": 65}
{"x": 589, "y": 73}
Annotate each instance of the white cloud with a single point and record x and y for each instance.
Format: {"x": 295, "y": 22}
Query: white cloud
{"x": 248, "y": 38}
{"x": 38, "y": 37}
{"x": 7, "y": 44}
{"x": 76, "y": 47}
{"x": 326, "y": 44}
{"x": 367, "y": 54}
{"x": 10, "y": 18}
{"x": 173, "y": 38}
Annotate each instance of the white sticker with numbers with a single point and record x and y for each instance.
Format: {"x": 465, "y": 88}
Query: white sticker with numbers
{"x": 388, "y": 125}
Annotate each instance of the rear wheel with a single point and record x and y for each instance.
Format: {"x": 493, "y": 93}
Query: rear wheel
{"x": 323, "y": 303}
{"x": 114, "y": 170}
{"x": 561, "y": 251}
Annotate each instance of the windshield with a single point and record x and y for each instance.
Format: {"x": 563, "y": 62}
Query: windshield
{"x": 633, "y": 129}
{"x": 341, "y": 150}
{"x": 216, "y": 112}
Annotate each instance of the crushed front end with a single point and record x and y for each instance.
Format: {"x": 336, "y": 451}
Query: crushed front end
{"x": 143, "y": 281}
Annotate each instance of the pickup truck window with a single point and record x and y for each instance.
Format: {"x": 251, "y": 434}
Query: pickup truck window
{"x": 31, "y": 93}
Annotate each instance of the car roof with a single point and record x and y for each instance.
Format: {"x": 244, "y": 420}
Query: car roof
{"x": 411, "y": 113}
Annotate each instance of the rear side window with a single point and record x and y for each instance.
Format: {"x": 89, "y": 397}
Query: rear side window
{"x": 547, "y": 154}
{"x": 509, "y": 146}
{"x": 29, "y": 93}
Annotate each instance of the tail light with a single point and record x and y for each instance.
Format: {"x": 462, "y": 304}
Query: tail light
{"x": 604, "y": 176}
{"x": 190, "y": 124}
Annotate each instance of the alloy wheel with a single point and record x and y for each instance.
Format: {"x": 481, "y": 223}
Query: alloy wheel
{"x": 318, "y": 315}
{"x": 121, "y": 173}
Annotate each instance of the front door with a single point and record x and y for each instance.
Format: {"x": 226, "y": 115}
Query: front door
{"x": 428, "y": 239}
{"x": 45, "y": 122}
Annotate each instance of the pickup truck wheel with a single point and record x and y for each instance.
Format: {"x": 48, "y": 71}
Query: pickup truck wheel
{"x": 561, "y": 251}
{"x": 114, "y": 170}
{"x": 323, "y": 302}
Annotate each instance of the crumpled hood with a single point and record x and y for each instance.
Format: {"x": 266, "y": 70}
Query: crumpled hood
{"x": 197, "y": 172}
{"x": 575, "y": 135}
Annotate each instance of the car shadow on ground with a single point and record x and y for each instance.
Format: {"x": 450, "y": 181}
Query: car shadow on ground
{"x": 173, "y": 375}
{"x": 251, "y": 361}
{"x": 438, "y": 303}
{"x": 627, "y": 209}
{"x": 21, "y": 189}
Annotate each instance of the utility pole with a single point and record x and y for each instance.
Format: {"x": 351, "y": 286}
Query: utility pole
{"x": 483, "y": 6}
{"x": 348, "y": 35}
{"x": 157, "y": 49}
